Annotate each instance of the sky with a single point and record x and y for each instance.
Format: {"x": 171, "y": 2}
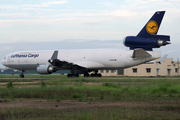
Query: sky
{"x": 62, "y": 24}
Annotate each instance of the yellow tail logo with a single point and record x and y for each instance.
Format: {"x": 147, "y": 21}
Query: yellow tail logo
{"x": 152, "y": 27}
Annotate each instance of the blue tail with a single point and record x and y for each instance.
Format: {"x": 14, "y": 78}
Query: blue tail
{"x": 147, "y": 38}
{"x": 153, "y": 25}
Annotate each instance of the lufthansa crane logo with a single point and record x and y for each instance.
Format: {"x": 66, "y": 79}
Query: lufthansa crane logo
{"x": 152, "y": 27}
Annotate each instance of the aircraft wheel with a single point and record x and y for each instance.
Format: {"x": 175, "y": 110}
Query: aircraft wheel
{"x": 86, "y": 75}
{"x": 99, "y": 75}
{"x": 76, "y": 75}
{"x": 92, "y": 75}
{"x": 96, "y": 75}
{"x": 73, "y": 75}
{"x": 69, "y": 75}
{"x": 21, "y": 76}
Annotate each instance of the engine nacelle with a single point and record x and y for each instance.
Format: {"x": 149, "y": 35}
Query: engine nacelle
{"x": 145, "y": 43}
{"x": 45, "y": 69}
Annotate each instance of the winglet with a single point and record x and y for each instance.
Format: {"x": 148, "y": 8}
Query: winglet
{"x": 140, "y": 53}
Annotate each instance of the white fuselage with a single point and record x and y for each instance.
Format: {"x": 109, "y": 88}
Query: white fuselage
{"x": 94, "y": 59}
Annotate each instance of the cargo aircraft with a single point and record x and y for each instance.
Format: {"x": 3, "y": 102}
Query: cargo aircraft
{"x": 88, "y": 60}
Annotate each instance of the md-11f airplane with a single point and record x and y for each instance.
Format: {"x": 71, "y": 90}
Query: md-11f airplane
{"x": 88, "y": 60}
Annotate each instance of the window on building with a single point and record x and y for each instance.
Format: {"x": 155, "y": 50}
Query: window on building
{"x": 112, "y": 71}
{"x": 148, "y": 70}
{"x": 134, "y": 70}
{"x": 102, "y": 71}
{"x": 169, "y": 71}
{"x": 120, "y": 72}
{"x": 107, "y": 71}
{"x": 176, "y": 70}
{"x": 158, "y": 71}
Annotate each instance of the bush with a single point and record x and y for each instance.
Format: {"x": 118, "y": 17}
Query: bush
{"x": 43, "y": 84}
{"x": 76, "y": 96}
{"x": 164, "y": 86}
{"x": 57, "y": 98}
{"x": 80, "y": 97}
{"x": 10, "y": 85}
{"x": 113, "y": 85}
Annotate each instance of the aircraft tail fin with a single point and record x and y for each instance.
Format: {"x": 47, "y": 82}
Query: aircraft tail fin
{"x": 147, "y": 38}
{"x": 153, "y": 25}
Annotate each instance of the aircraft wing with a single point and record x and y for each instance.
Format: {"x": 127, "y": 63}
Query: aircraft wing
{"x": 62, "y": 64}
{"x": 140, "y": 53}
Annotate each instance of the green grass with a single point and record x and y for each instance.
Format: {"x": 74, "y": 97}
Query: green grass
{"x": 110, "y": 91}
{"x": 105, "y": 113}
{"x": 162, "y": 91}
{"x": 10, "y": 85}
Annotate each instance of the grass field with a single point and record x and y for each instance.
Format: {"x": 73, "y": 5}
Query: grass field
{"x": 110, "y": 98}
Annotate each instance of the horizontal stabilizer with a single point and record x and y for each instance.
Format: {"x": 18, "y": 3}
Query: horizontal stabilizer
{"x": 161, "y": 60}
{"x": 140, "y": 53}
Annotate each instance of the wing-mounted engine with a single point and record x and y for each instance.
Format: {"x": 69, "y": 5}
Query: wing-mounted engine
{"x": 45, "y": 69}
{"x": 55, "y": 64}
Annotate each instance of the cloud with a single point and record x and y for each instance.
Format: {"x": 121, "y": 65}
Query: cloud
{"x": 40, "y": 17}
{"x": 176, "y": 2}
{"x": 107, "y": 4}
{"x": 46, "y": 4}
{"x": 32, "y": 7}
{"x": 10, "y": 7}
{"x": 148, "y": 3}
{"x": 14, "y": 15}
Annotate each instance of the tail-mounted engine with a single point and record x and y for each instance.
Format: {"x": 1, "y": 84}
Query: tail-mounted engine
{"x": 154, "y": 41}
{"x": 147, "y": 38}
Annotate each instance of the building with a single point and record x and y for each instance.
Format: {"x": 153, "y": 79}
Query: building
{"x": 166, "y": 68}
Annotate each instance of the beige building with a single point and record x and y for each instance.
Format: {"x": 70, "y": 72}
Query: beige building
{"x": 166, "y": 68}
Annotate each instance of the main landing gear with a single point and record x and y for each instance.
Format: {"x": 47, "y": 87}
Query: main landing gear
{"x": 96, "y": 74}
{"x": 73, "y": 74}
{"x": 86, "y": 74}
{"x": 21, "y": 75}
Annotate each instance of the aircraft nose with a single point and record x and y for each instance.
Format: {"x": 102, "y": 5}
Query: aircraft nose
{"x": 3, "y": 62}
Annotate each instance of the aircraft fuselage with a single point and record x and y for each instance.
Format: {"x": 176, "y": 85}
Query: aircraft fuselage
{"x": 88, "y": 58}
